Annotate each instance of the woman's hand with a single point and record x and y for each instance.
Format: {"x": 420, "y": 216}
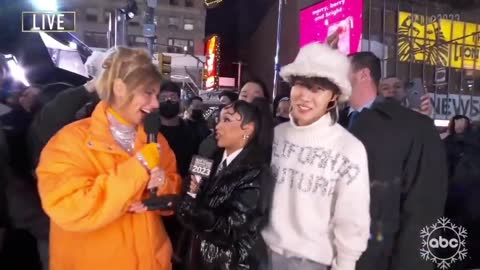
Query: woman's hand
{"x": 194, "y": 185}
{"x": 157, "y": 178}
{"x": 90, "y": 86}
{"x": 137, "y": 208}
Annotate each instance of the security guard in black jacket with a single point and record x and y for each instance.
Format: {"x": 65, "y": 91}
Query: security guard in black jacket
{"x": 407, "y": 166}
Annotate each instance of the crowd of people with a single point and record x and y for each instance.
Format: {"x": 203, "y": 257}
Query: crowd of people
{"x": 339, "y": 174}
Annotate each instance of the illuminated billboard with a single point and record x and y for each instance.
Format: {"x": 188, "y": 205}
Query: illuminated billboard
{"x": 324, "y": 19}
{"x": 440, "y": 42}
{"x": 212, "y": 53}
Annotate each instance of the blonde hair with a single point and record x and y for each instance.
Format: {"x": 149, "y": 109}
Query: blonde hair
{"x": 133, "y": 66}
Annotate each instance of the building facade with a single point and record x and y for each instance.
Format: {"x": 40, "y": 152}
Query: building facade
{"x": 180, "y": 24}
{"x": 435, "y": 41}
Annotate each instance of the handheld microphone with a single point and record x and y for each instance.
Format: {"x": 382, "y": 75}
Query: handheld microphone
{"x": 152, "y": 128}
{"x": 200, "y": 167}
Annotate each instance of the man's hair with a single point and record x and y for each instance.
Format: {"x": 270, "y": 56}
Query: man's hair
{"x": 368, "y": 60}
{"x": 169, "y": 86}
{"x": 321, "y": 82}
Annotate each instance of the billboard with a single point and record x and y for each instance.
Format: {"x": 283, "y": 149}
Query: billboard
{"x": 212, "y": 53}
{"x": 438, "y": 41}
{"x": 321, "y": 20}
{"x": 447, "y": 106}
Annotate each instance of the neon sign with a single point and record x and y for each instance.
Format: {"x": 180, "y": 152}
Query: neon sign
{"x": 212, "y": 52}
{"x": 440, "y": 42}
{"x": 212, "y": 3}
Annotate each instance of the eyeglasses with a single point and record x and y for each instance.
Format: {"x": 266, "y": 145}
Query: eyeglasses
{"x": 168, "y": 98}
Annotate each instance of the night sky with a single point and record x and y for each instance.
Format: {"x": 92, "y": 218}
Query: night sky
{"x": 234, "y": 21}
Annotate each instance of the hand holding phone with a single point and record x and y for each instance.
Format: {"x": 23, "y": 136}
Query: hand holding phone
{"x": 415, "y": 92}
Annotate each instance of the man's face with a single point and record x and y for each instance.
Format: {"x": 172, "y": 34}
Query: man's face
{"x": 283, "y": 108}
{"x": 168, "y": 96}
{"x": 309, "y": 105}
{"x": 250, "y": 91}
{"x": 392, "y": 88}
{"x": 355, "y": 78}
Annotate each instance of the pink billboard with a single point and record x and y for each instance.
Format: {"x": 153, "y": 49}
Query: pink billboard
{"x": 319, "y": 21}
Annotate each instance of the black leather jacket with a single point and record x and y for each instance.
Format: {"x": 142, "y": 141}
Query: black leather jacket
{"x": 228, "y": 214}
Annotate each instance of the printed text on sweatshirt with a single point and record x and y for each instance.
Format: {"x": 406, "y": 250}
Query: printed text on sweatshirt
{"x": 320, "y": 208}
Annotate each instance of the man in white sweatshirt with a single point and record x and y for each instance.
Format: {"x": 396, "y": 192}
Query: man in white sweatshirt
{"x": 320, "y": 212}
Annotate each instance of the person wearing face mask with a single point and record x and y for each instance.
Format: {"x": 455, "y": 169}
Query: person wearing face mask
{"x": 181, "y": 136}
{"x": 94, "y": 174}
{"x": 194, "y": 117}
{"x": 184, "y": 141}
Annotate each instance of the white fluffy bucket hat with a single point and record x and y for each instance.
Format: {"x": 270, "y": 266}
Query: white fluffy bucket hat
{"x": 319, "y": 60}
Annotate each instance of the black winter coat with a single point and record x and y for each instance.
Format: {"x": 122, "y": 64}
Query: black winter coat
{"x": 463, "y": 204}
{"x": 3, "y": 181}
{"x": 408, "y": 183}
{"x": 456, "y": 146}
{"x": 67, "y": 107}
{"x": 228, "y": 214}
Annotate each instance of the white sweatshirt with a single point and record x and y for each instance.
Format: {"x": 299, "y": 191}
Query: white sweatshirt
{"x": 321, "y": 200}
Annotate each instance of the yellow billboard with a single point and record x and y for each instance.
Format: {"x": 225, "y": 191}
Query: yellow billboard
{"x": 440, "y": 42}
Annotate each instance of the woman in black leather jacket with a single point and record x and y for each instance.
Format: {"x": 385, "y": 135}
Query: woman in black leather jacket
{"x": 231, "y": 207}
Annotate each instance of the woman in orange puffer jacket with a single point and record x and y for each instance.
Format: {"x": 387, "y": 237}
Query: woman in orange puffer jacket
{"x": 93, "y": 173}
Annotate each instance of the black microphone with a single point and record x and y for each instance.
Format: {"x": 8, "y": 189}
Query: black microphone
{"x": 152, "y": 128}
{"x": 200, "y": 168}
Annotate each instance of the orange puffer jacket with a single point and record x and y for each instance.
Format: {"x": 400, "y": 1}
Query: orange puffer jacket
{"x": 86, "y": 184}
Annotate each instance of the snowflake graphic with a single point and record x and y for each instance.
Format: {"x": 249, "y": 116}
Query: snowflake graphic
{"x": 443, "y": 224}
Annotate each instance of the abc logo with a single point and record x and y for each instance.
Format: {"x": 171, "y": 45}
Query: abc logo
{"x": 441, "y": 242}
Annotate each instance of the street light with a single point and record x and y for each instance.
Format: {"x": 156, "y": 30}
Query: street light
{"x": 130, "y": 9}
{"x": 46, "y": 5}
{"x": 16, "y": 71}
